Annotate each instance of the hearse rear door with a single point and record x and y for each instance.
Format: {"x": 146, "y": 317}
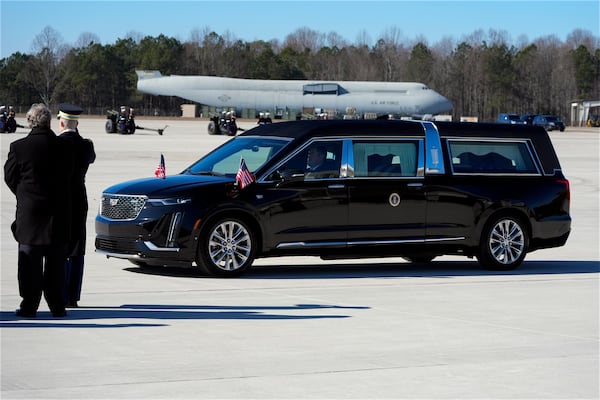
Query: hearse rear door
{"x": 386, "y": 198}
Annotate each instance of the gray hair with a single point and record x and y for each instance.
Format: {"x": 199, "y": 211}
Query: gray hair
{"x": 39, "y": 116}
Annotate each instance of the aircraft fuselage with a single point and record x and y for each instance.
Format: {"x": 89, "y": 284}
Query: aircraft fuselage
{"x": 401, "y": 98}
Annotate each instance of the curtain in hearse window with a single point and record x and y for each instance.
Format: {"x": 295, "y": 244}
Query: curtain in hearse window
{"x": 387, "y": 158}
{"x": 491, "y": 157}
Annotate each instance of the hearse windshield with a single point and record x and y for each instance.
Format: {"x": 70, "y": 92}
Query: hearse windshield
{"x": 225, "y": 160}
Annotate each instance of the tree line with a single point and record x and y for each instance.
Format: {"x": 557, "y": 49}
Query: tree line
{"x": 483, "y": 74}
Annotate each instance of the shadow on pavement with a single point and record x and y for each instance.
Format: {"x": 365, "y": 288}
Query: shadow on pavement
{"x": 439, "y": 269}
{"x": 167, "y": 312}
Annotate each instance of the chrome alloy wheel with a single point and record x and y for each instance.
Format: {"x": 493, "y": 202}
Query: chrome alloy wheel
{"x": 506, "y": 241}
{"x": 229, "y": 245}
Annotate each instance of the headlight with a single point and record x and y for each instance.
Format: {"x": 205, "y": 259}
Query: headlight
{"x": 169, "y": 201}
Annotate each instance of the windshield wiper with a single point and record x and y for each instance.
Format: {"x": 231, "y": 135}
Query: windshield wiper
{"x": 210, "y": 173}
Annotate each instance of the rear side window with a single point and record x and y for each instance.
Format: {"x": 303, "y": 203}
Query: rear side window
{"x": 388, "y": 158}
{"x": 491, "y": 157}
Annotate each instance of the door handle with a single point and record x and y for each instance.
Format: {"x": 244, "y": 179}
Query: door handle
{"x": 416, "y": 184}
{"x": 338, "y": 186}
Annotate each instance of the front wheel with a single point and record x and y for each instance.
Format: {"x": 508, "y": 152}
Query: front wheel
{"x": 109, "y": 126}
{"x": 504, "y": 244}
{"x": 213, "y": 128}
{"x": 227, "y": 249}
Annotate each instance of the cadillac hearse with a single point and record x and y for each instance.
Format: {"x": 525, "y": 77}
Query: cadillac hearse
{"x": 347, "y": 188}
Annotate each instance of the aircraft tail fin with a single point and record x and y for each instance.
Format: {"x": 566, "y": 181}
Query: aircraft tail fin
{"x": 148, "y": 74}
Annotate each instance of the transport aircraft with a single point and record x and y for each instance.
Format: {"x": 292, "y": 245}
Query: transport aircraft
{"x": 404, "y": 99}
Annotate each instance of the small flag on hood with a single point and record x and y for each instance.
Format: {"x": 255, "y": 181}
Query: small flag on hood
{"x": 244, "y": 177}
{"x": 160, "y": 171}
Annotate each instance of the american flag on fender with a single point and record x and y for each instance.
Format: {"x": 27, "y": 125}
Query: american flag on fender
{"x": 160, "y": 171}
{"x": 244, "y": 177}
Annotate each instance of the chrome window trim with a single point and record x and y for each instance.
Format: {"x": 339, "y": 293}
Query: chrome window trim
{"x": 349, "y": 153}
{"x": 347, "y": 169}
{"x": 347, "y": 156}
{"x": 528, "y": 144}
{"x": 434, "y": 156}
{"x": 263, "y": 179}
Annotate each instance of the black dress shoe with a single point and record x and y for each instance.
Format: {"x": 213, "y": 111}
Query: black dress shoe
{"x": 25, "y": 313}
{"x": 59, "y": 313}
{"x": 72, "y": 304}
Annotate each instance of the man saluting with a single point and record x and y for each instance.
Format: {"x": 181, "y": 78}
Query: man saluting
{"x": 83, "y": 155}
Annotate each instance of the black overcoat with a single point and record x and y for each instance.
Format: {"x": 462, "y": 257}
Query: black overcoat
{"x": 83, "y": 156}
{"x": 38, "y": 171}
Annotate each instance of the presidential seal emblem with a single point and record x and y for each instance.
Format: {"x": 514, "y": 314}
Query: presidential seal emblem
{"x": 394, "y": 199}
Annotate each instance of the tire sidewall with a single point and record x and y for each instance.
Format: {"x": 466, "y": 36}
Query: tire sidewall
{"x": 212, "y": 128}
{"x": 109, "y": 126}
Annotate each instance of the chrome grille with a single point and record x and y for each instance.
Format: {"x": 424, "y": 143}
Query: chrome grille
{"x": 117, "y": 206}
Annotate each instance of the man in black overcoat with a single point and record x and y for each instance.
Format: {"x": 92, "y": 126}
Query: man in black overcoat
{"x": 38, "y": 171}
{"x": 83, "y": 156}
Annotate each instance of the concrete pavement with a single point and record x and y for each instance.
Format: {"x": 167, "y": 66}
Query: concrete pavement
{"x": 306, "y": 328}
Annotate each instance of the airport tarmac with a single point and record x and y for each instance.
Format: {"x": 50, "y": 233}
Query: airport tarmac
{"x": 303, "y": 328}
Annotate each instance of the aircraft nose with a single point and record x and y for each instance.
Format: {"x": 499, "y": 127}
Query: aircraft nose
{"x": 442, "y": 105}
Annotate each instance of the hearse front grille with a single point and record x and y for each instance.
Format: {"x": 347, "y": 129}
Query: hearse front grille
{"x": 122, "y": 207}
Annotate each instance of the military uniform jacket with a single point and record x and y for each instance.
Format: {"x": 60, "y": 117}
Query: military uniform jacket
{"x": 83, "y": 156}
{"x": 38, "y": 171}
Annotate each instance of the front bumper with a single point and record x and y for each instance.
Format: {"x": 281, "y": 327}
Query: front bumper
{"x": 166, "y": 238}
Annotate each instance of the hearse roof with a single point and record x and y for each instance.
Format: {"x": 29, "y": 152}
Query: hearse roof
{"x": 312, "y": 128}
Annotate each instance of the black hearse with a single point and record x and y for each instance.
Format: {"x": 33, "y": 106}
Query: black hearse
{"x": 414, "y": 189}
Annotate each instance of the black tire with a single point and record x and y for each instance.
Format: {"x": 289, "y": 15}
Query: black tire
{"x": 213, "y": 128}
{"x": 11, "y": 126}
{"x": 231, "y": 129}
{"x": 504, "y": 244}
{"x": 227, "y": 248}
{"x": 109, "y": 126}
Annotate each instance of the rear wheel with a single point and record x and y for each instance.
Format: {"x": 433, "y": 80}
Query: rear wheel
{"x": 504, "y": 244}
{"x": 227, "y": 248}
{"x": 232, "y": 129}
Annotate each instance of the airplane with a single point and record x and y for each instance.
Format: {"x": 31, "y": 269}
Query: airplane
{"x": 404, "y": 99}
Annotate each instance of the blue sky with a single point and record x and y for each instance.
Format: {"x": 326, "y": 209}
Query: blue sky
{"x": 22, "y": 20}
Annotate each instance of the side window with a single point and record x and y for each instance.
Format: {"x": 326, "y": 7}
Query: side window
{"x": 491, "y": 157}
{"x": 387, "y": 158}
{"x": 321, "y": 159}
